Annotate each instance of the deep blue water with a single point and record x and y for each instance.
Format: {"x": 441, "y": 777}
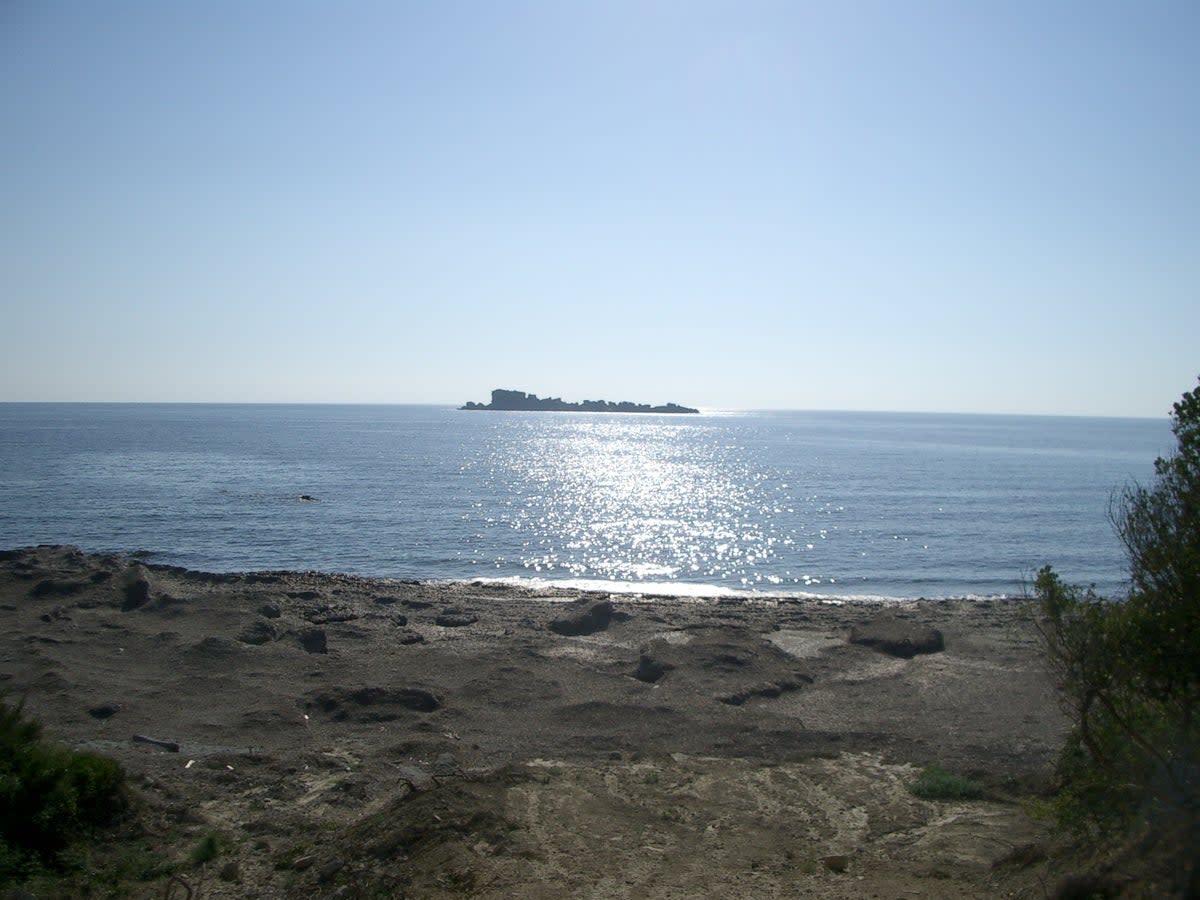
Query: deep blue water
{"x": 836, "y": 504}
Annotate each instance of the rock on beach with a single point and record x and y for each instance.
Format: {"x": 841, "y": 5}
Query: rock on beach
{"x": 889, "y": 633}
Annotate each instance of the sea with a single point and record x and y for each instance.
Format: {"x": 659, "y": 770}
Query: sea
{"x": 833, "y": 505}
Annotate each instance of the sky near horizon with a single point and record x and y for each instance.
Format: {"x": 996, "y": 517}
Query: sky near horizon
{"x": 927, "y": 206}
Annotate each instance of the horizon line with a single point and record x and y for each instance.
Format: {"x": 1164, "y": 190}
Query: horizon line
{"x": 704, "y": 410}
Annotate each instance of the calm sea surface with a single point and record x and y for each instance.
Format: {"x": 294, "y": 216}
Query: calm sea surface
{"x": 832, "y": 504}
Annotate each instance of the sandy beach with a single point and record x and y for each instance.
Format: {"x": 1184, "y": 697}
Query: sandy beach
{"x": 352, "y": 737}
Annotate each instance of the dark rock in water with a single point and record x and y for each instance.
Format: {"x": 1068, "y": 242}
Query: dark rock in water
{"x": 455, "y": 618}
{"x": 137, "y": 590}
{"x": 308, "y": 498}
{"x": 270, "y": 610}
{"x": 314, "y": 640}
{"x": 895, "y": 636}
{"x": 258, "y": 632}
{"x": 584, "y": 617}
{"x": 104, "y": 710}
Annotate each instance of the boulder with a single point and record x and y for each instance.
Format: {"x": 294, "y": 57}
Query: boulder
{"x": 651, "y": 668}
{"x": 258, "y": 632}
{"x": 104, "y": 710}
{"x": 896, "y": 636}
{"x": 137, "y": 589}
{"x": 583, "y": 617}
{"x": 314, "y": 640}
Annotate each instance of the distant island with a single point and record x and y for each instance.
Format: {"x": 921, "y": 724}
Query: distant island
{"x": 519, "y": 400}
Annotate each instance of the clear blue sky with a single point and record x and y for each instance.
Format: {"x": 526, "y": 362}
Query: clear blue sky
{"x": 956, "y": 206}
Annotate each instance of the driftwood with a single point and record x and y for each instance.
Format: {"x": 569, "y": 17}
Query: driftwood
{"x": 169, "y": 746}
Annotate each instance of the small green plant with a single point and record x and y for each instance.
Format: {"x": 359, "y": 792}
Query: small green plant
{"x": 935, "y": 783}
{"x": 650, "y": 778}
{"x": 208, "y": 849}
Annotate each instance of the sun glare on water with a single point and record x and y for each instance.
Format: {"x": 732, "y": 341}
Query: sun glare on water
{"x": 638, "y": 501}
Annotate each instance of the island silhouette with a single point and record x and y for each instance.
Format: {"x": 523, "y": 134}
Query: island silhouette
{"x": 519, "y": 400}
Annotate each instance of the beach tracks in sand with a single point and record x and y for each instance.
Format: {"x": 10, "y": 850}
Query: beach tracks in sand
{"x": 343, "y": 732}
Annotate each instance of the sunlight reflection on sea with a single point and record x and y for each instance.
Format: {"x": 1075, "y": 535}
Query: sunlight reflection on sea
{"x": 826, "y": 504}
{"x": 631, "y": 500}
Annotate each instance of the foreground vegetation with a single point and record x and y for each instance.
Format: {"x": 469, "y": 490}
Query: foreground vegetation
{"x": 50, "y": 796}
{"x": 935, "y": 783}
{"x": 1129, "y": 673}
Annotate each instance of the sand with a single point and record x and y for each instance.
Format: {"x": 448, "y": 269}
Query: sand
{"x": 347, "y": 735}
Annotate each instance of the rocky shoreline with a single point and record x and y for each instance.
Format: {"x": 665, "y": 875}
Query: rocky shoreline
{"x": 347, "y": 735}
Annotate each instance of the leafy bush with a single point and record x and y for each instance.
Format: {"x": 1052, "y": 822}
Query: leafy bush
{"x": 1128, "y": 672}
{"x": 49, "y": 795}
{"x": 206, "y": 850}
{"x": 935, "y": 783}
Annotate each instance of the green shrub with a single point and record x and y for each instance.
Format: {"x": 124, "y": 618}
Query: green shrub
{"x": 208, "y": 849}
{"x": 935, "y": 783}
{"x": 1128, "y": 672}
{"x": 49, "y": 795}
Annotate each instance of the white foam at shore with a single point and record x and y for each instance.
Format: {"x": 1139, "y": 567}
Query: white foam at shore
{"x": 688, "y": 591}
